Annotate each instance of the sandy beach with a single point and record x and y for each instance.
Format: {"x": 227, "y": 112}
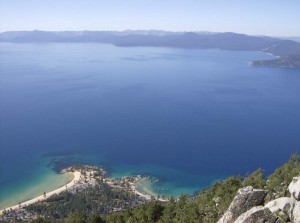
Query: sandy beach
{"x": 76, "y": 178}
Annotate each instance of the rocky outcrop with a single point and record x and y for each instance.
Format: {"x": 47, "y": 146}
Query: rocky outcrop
{"x": 247, "y": 207}
{"x": 245, "y": 199}
{"x": 280, "y": 204}
{"x": 294, "y": 189}
{"x": 258, "y": 214}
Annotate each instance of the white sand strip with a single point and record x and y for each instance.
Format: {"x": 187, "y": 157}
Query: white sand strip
{"x": 76, "y": 178}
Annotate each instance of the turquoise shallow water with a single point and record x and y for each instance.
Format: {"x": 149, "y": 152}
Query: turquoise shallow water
{"x": 44, "y": 180}
{"x": 163, "y": 178}
{"x": 185, "y": 117}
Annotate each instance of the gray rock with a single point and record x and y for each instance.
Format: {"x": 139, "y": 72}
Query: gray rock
{"x": 283, "y": 216}
{"x": 258, "y": 214}
{"x": 245, "y": 199}
{"x": 280, "y": 204}
{"x": 294, "y": 189}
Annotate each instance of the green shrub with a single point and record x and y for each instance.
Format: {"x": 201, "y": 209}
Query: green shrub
{"x": 279, "y": 181}
{"x": 256, "y": 180}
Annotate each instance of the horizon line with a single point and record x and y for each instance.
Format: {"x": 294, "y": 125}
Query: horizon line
{"x": 134, "y": 30}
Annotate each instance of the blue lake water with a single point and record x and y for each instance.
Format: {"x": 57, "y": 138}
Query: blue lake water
{"x": 186, "y": 117}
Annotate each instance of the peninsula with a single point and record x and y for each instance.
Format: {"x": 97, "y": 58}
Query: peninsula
{"x": 291, "y": 61}
{"x": 86, "y": 178}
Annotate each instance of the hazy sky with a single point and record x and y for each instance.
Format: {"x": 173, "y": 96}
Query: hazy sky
{"x": 268, "y": 17}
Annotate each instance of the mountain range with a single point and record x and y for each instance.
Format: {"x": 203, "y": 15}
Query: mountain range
{"x": 157, "y": 38}
{"x": 200, "y": 40}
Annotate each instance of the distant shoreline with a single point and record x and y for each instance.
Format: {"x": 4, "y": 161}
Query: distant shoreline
{"x": 59, "y": 190}
{"x": 279, "y": 61}
{"x": 158, "y": 38}
{"x": 291, "y": 61}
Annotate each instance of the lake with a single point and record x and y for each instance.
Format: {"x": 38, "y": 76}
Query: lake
{"x": 185, "y": 117}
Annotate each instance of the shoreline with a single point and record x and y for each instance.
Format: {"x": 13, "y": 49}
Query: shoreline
{"x": 84, "y": 176}
{"x": 147, "y": 195}
{"x": 63, "y": 188}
